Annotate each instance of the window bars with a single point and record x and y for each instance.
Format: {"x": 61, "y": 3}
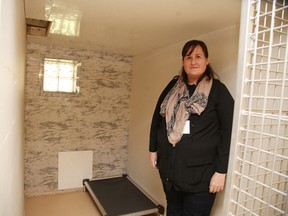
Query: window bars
{"x": 60, "y": 75}
{"x": 260, "y": 171}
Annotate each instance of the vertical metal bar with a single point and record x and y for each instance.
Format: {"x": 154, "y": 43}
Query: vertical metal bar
{"x": 243, "y": 46}
{"x": 252, "y": 88}
{"x": 263, "y": 114}
{"x": 280, "y": 113}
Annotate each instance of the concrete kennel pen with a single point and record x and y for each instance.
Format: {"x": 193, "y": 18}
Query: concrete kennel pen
{"x": 257, "y": 53}
{"x": 120, "y": 196}
{"x": 257, "y": 184}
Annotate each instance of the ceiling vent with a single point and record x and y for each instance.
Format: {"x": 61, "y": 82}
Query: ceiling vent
{"x": 37, "y": 27}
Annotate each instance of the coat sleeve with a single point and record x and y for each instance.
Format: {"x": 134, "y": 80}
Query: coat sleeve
{"x": 225, "y": 116}
{"x": 156, "y": 119}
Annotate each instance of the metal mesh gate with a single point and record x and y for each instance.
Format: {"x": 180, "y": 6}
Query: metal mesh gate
{"x": 260, "y": 173}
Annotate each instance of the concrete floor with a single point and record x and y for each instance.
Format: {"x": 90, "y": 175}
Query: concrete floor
{"x": 72, "y": 203}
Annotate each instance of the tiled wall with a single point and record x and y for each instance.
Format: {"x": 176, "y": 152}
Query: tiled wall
{"x": 95, "y": 119}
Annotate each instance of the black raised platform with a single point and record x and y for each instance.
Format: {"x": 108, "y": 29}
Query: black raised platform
{"x": 120, "y": 196}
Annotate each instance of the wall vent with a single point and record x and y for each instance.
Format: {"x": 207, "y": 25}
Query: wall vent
{"x": 37, "y": 27}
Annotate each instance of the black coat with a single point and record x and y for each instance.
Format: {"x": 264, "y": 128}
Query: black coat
{"x": 190, "y": 165}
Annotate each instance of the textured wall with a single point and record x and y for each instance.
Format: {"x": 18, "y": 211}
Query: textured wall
{"x": 95, "y": 119}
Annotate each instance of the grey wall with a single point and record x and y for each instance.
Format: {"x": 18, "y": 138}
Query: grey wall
{"x": 95, "y": 119}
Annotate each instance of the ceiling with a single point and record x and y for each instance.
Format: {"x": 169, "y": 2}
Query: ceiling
{"x": 133, "y": 27}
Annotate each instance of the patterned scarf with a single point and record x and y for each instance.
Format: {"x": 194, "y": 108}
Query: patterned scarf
{"x": 177, "y": 106}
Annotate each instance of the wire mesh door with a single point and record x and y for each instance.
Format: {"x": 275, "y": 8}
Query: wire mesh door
{"x": 260, "y": 171}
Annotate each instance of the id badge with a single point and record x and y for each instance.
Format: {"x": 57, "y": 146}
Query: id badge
{"x": 186, "y": 129}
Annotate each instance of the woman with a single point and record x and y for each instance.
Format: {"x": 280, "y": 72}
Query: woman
{"x": 190, "y": 135}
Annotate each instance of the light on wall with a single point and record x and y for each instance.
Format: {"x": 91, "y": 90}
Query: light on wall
{"x": 65, "y": 21}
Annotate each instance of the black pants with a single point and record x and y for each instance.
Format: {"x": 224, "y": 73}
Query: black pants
{"x": 189, "y": 204}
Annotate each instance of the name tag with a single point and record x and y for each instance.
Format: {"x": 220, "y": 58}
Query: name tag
{"x": 186, "y": 129}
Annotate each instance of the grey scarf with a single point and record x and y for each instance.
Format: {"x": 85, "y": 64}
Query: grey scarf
{"x": 177, "y": 106}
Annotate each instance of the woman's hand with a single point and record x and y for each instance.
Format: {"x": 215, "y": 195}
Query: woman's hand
{"x": 153, "y": 159}
{"x": 217, "y": 182}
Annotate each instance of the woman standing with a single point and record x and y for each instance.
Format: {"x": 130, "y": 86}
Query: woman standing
{"x": 190, "y": 135}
